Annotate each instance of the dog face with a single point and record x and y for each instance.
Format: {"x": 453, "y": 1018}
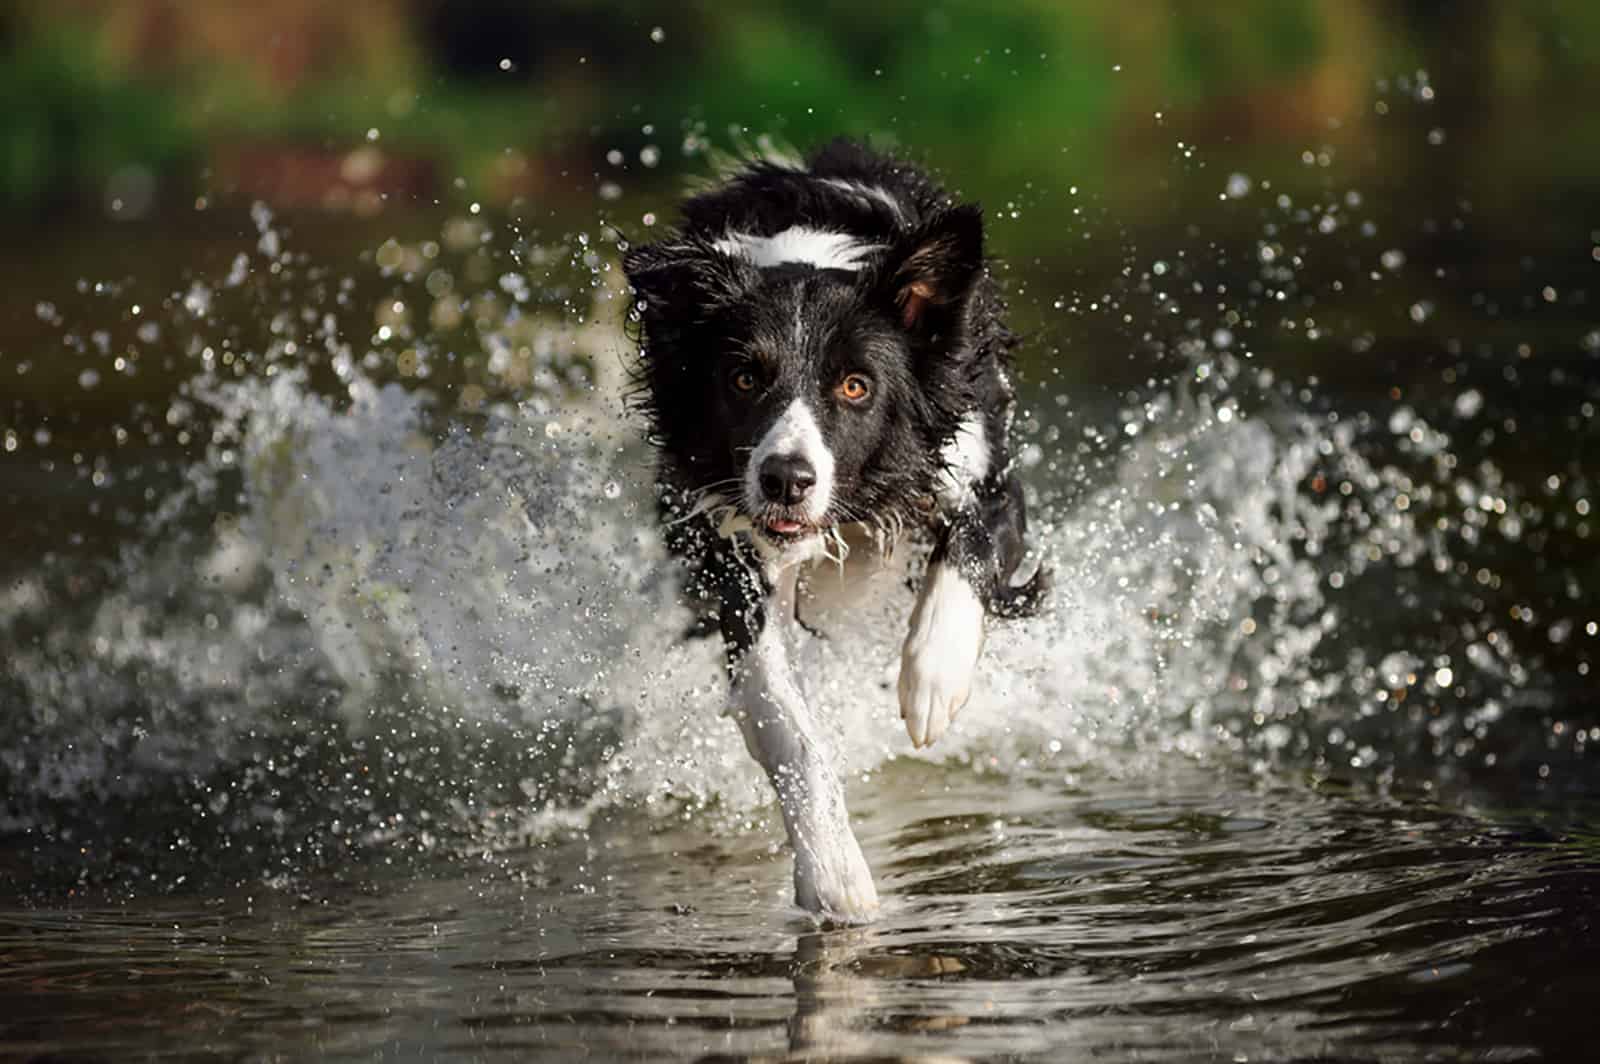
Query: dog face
{"x": 807, "y": 379}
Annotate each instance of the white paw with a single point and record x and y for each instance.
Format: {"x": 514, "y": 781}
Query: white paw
{"x": 940, "y": 655}
{"x": 831, "y": 879}
{"x": 932, "y": 692}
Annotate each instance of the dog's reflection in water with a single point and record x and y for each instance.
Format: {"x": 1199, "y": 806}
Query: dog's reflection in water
{"x": 839, "y": 977}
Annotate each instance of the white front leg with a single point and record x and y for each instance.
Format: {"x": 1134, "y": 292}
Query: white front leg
{"x": 831, "y": 876}
{"x": 940, "y": 655}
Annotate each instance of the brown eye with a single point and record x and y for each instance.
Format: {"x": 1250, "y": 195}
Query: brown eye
{"x": 744, "y": 380}
{"x": 854, "y": 388}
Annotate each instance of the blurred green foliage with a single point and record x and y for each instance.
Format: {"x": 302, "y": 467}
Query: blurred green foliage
{"x": 70, "y": 118}
{"x": 1022, "y": 79}
{"x": 1005, "y": 94}
{"x": 1012, "y": 85}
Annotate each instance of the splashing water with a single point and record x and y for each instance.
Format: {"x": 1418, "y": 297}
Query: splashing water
{"x": 405, "y": 597}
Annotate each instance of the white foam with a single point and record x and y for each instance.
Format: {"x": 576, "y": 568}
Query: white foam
{"x": 512, "y": 581}
{"x": 497, "y": 576}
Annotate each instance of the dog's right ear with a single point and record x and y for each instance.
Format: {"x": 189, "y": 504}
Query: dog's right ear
{"x": 686, "y": 279}
{"x": 930, "y": 273}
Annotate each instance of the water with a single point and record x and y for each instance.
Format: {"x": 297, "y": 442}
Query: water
{"x": 347, "y": 709}
{"x": 1197, "y": 915}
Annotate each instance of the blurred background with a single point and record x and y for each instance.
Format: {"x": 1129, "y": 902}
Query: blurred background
{"x": 1090, "y": 130}
{"x": 126, "y": 108}
{"x": 134, "y": 134}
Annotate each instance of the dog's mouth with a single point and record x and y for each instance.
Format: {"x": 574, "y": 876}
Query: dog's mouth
{"x": 784, "y": 526}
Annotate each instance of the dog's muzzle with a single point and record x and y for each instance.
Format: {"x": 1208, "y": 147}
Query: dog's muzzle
{"x": 786, "y": 479}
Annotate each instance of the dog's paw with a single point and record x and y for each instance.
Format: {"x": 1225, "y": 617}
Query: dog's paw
{"x": 833, "y": 880}
{"x": 932, "y": 692}
{"x": 940, "y": 655}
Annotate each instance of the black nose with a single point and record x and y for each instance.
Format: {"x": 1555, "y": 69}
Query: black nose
{"x": 786, "y": 478}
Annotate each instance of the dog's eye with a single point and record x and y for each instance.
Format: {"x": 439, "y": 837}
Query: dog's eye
{"x": 744, "y": 380}
{"x": 854, "y": 388}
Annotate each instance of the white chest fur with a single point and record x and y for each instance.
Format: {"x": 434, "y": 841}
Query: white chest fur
{"x": 833, "y": 594}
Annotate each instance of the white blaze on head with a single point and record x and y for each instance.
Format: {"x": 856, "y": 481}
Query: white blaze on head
{"x": 794, "y": 435}
{"x": 824, "y": 249}
{"x": 867, "y": 192}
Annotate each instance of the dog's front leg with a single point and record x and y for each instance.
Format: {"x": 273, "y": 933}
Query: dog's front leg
{"x": 968, "y": 578}
{"x": 831, "y": 876}
{"x": 940, "y": 654}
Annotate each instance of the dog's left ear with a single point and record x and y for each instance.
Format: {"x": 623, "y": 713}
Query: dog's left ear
{"x": 928, "y": 274}
{"x": 684, "y": 277}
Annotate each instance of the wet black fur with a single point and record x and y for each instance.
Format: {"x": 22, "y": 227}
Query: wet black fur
{"x": 703, "y": 315}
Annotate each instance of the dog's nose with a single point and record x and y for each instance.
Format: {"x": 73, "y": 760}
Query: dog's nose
{"x": 786, "y": 478}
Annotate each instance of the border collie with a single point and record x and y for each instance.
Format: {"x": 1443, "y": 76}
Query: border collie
{"x": 823, "y": 363}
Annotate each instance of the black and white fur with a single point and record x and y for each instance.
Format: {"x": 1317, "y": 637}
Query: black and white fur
{"x": 824, "y": 367}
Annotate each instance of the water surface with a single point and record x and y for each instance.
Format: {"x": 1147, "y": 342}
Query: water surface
{"x": 1194, "y": 915}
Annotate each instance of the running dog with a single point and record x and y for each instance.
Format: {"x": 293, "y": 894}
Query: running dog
{"x": 824, "y": 368}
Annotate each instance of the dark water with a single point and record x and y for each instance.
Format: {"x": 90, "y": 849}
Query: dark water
{"x": 1195, "y": 915}
{"x": 342, "y": 710}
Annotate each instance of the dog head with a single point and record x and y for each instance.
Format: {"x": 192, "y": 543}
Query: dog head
{"x": 808, "y": 379}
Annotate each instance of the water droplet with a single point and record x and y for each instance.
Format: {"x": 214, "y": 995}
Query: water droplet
{"x": 1468, "y": 403}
